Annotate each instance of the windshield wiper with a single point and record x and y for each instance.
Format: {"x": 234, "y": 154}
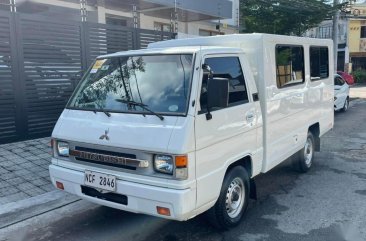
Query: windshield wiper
{"x": 143, "y": 106}
{"x": 101, "y": 108}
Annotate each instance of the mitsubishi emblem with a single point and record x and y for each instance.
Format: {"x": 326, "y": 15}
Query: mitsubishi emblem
{"x": 105, "y": 135}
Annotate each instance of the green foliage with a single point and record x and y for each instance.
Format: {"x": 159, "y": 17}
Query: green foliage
{"x": 288, "y": 17}
{"x": 359, "y": 75}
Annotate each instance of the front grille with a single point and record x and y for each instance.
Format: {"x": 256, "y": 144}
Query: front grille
{"x": 103, "y": 152}
{"x": 110, "y": 153}
{"x": 112, "y": 197}
{"x": 105, "y": 163}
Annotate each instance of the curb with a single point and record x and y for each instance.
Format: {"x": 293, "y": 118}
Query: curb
{"x": 19, "y": 211}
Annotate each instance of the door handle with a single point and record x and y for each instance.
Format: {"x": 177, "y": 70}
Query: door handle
{"x": 250, "y": 117}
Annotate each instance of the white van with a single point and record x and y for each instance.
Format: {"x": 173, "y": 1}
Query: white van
{"x": 184, "y": 126}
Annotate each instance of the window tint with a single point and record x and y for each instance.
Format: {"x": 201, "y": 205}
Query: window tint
{"x": 319, "y": 63}
{"x": 289, "y": 65}
{"x": 338, "y": 80}
{"x": 229, "y": 68}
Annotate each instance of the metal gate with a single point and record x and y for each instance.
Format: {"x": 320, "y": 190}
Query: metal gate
{"x": 41, "y": 61}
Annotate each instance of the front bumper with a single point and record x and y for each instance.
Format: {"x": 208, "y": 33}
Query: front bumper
{"x": 142, "y": 198}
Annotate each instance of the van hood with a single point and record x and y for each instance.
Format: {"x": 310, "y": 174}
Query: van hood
{"x": 132, "y": 131}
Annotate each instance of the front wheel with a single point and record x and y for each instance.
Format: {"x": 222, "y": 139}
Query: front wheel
{"x": 303, "y": 160}
{"x": 233, "y": 200}
{"x": 346, "y": 105}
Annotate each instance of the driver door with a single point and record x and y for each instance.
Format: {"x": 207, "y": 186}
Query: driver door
{"x": 230, "y": 134}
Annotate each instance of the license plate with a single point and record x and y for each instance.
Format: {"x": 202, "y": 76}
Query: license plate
{"x": 100, "y": 180}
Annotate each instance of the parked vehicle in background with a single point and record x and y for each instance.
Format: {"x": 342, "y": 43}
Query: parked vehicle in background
{"x": 184, "y": 126}
{"x": 347, "y": 77}
{"x": 341, "y": 94}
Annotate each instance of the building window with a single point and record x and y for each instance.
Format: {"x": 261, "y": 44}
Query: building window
{"x": 115, "y": 20}
{"x": 363, "y": 32}
{"x": 289, "y": 65}
{"x": 228, "y": 68}
{"x": 164, "y": 27}
{"x": 319, "y": 63}
{"x": 203, "y": 32}
{"x": 325, "y": 32}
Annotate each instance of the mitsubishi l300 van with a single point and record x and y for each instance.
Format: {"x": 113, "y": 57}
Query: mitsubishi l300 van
{"x": 184, "y": 126}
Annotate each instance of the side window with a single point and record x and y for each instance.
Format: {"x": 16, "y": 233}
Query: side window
{"x": 289, "y": 65}
{"x": 229, "y": 68}
{"x": 338, "y": 81}
{"x": 319, "y": 63}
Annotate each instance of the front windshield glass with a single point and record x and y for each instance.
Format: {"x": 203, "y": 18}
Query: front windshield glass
{"x": 120, "y": 84}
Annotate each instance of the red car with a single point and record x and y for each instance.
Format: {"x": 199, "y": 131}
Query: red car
{"x": 347, "y": 77}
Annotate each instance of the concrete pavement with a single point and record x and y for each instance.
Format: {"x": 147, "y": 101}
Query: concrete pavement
{"x": 24, "y": 170}
{"x": 358, "y": 91}
{"x": 25, "y": 186}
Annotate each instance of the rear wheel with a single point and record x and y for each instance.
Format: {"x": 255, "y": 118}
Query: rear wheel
{"x": 346, "y": 105}
{"x": 303, "y": 160}
{"x": 233, "y": 200}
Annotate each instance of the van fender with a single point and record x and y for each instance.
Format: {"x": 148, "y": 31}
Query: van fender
{"x": 247, "y": 162}
{"x": 217, "y": 178}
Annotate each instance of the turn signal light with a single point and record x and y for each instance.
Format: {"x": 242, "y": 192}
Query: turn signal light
{"x": 163, "y": 211}
{"x": 59, "y": 185}
{"x": 181, "y": 161}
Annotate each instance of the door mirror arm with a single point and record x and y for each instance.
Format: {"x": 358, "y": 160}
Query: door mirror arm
{"x": 210, "y": 76}
{"x": 208, "y": 114}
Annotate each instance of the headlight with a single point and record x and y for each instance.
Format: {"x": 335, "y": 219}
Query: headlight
{"x": 63, "y": 148}
{"x": 164, "y": 164}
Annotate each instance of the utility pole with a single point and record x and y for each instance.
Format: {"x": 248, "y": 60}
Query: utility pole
{"x": 335, "y": 34}
{"x": 175, "y": 17}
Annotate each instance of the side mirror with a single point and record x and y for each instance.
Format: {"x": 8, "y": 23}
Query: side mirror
{"x": 217, "y": 94}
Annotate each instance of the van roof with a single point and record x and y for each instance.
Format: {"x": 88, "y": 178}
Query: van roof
{"x": 170, "y": 50}
{"x": 237, "y": 39}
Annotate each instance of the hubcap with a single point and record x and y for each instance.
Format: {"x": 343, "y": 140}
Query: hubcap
{"x": 308, "y": 152}
{"x": 346, "y": 104}
{"x": 235, "y": 197}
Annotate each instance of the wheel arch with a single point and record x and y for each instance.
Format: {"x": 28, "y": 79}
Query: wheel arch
{"x": 247, "y": 163}
{"x": 315, "y": 130}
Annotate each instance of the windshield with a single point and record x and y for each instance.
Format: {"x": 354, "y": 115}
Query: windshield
{"x": 120, "y": 84}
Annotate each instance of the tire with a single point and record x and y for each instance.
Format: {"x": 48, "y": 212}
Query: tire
{"x": 346, "y": 105}
{"x": 303, "y": 159}
{"x": 228, "y": 212}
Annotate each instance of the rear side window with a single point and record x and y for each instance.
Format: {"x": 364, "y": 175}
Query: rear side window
{"x": 230, "y": 68}
{"x": 319, "y": 63}
{"x": 289, "y": 65}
